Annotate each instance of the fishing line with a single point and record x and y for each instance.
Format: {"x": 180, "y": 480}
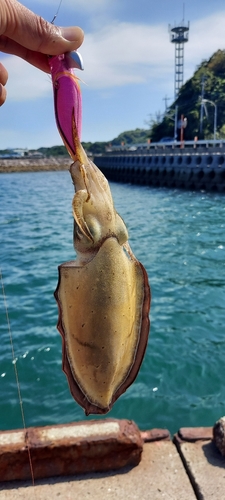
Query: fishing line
{"x": 56, "y": 14}
{"x": 17, "y": 377}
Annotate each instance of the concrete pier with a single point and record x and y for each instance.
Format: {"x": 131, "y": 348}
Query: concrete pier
{"x": 194, "y": 169}
{"x": 131, "y": 464}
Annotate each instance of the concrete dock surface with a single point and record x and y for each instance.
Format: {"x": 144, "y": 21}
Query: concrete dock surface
{"x": 186, "y": 468}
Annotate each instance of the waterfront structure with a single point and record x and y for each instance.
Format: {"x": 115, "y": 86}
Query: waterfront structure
{"x": 196, "y": 166}
{"x": 179, "y": 36}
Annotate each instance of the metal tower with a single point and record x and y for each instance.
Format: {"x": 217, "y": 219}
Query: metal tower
{"x": 179, "y": 36}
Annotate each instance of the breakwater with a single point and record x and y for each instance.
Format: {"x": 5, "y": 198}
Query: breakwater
{"x": 194, "y": 169}
{"x": 29, "y": 164}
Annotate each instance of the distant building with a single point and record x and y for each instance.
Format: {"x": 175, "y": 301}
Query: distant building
{"x": 35, "y": 154}
{"x": 20, "y": 152}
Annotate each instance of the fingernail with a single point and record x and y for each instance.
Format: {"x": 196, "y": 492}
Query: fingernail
{"x": 72, "y": 33}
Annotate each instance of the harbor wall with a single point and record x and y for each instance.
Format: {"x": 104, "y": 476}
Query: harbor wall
{"x": 194, "y": 170}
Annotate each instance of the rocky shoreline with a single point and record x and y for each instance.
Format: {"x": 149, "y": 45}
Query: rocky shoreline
{"x": 27, "y": 164}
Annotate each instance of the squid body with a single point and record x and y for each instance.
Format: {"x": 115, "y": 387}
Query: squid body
{"x": 103, "y": 296}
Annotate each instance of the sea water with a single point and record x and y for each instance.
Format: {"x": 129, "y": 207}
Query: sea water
{"x": 179, "y": 237}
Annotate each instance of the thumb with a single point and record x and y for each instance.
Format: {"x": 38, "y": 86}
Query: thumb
{"x": 33, "y": 32}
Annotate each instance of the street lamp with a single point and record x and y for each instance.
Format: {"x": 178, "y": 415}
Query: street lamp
{"x": 215, "y": 116}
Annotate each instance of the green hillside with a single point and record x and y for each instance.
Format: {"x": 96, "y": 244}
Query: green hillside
{"x": 128, "y": 137}
{"x": 209, "y": 79}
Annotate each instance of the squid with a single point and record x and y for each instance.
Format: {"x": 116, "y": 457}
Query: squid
{"x": 104, "y": 295}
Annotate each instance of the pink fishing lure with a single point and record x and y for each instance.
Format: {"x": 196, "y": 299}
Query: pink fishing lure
{"x": 67, "y": 101}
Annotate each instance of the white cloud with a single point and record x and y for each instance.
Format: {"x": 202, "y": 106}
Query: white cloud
{"x": 206, "y": 36}
{"x": 14, "y": 137}
{"x": 124, "y": 53}
{"x": 25, "y": 81}
{"x": 88, "y": 5}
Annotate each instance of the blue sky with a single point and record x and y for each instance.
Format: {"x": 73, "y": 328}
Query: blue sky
{"x": 128, "y": 61}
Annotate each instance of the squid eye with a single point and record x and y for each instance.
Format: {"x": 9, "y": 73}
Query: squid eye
{"x": 94, "y": 228}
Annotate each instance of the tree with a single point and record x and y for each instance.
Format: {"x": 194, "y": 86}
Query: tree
{"x": 189, "y": 101}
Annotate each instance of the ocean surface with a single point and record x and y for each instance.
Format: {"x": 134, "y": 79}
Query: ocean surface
{"x": 179, "y": 237}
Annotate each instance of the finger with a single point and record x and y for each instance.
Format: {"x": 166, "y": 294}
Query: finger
{"x": 35, "y": 58}
{"x": 3, "y": 75}
{"x": 36, "y": 34}
{"x": 3, "y": 94}
{"x": 3, "y": 80}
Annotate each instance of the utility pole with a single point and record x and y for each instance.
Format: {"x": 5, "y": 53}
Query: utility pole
{"x": 174, "y": 118}
{"x": 215, "y": 116}
{"x": 166, "y": 99}
{"x": 175, "y": 123}
{"x": 202, "y": 105}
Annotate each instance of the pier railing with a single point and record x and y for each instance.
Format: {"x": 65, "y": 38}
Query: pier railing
{"x": 166, "y": 146}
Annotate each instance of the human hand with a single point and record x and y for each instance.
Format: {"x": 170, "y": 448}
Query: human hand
{"x": 24, "y": 34}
